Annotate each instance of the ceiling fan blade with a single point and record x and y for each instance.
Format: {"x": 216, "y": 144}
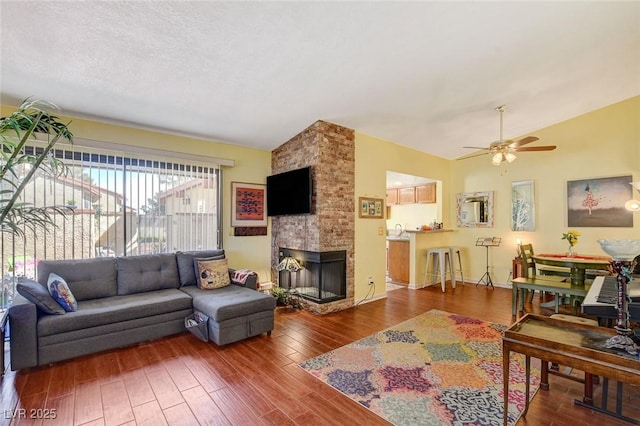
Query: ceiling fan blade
{"x": 536, "y": 148}
{"x": 476, "y": 147}
{"x": 471, "y": 156}
{"x": 523, "y": 141}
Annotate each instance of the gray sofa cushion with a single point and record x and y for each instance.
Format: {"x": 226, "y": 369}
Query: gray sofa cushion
{"x": 87, "y": 278}
{"x": 98, "y": 312}
{"x": 35, "y": 293}
{"x": 185, "y": 263}
{"x": 229, "y": 302}
{"x": 138, "y": 274}
{"x": 63, "y": 346}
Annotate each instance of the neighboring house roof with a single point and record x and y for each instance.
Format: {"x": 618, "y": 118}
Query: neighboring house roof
{"x": 194, "y": 183}
{"x": 94, "y": 189}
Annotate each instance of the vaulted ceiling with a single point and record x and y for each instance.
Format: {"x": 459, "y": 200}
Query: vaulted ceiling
{"x": 427, "y": 75}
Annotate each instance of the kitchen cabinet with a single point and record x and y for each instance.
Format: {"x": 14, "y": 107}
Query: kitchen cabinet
{"x": 398, "y": 261}
{"x": 407, "y": 195}
{"x": 426, "y": 193}
{"x": 392, "y": 196}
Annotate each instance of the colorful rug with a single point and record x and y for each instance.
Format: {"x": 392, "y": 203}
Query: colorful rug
{"x": 435, "y": 369}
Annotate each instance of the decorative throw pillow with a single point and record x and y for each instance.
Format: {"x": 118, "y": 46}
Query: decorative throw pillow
{"x": 212, "y": 273}
{"x": 60, "y": 291}
{"x": 36, "y": 293}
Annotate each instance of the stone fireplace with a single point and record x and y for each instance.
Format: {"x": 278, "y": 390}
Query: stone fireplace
{"x": 330, "y": 151}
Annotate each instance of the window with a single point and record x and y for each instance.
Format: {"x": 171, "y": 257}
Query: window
{"x": 123, "y": 204}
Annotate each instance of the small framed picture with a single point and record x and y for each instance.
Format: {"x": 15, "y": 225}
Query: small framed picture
{"x": 248, "y": 204}
{"x": 371, "y": 208}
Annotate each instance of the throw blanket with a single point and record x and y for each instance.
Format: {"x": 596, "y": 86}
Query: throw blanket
{"x": 240, "y": 276}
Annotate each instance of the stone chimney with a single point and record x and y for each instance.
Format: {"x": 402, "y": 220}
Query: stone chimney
{"x": 330, "y": 151}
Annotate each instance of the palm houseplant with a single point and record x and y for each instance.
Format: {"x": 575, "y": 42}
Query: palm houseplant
{"x": 32, "y": 121}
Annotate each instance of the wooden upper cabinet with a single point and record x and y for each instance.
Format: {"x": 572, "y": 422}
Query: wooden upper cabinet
{"x": 407, "y": 195}
{"x": 392, "y": 196}
{"x": 426, "y": 193}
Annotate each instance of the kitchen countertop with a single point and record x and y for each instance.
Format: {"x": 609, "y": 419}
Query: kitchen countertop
{"x": 396, "y": 238}
{"x": 406, "y": 237}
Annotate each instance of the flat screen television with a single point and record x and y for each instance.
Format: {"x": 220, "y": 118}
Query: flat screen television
{"x": 289, "y": 192}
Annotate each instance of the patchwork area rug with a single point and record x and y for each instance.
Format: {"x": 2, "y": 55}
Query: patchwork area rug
{"x": 438, "y": 368}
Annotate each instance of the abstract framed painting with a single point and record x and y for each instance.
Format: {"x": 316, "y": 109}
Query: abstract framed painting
{"x": 248, "y": 204}
{"x": 599, "y": 202}
{"x": 523, "y": 206}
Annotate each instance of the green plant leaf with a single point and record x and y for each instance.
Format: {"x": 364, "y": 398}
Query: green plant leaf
{"x": 31, "y": 119}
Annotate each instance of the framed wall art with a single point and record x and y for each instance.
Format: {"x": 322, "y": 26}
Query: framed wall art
{"x": 248, "y": 204}
{"x": 522, "y": 206}
{"x": 371, "y": 208}
{"x": 599, "y": 202}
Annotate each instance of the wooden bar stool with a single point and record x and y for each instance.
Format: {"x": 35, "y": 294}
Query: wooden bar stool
{"x": 440, "y": 259}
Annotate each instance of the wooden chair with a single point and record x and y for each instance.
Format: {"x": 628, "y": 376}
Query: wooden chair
{"x": 526, "y": 251}
{"x": 529, "y": 266}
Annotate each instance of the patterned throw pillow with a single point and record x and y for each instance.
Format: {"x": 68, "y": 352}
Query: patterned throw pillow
{"x": 59, "y": 290}
{"x": 212, "y": 273}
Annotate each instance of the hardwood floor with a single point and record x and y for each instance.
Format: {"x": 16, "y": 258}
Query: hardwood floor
{"x": 182, "y": 381}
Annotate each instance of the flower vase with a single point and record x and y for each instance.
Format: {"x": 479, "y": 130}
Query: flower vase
{"x": 570, "y": 253}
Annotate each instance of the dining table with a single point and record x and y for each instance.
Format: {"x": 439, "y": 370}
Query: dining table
{"x": 577, "y": 264}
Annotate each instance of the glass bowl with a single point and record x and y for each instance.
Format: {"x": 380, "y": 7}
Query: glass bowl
{"x": 621, "y": 249}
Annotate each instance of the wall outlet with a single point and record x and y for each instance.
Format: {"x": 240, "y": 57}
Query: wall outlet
{"x": 370, "y": 280}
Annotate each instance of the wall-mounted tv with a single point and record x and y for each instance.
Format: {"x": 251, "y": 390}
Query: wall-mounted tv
{"x": 289, "y": 192}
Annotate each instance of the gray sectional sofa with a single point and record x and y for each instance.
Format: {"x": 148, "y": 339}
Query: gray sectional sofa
{"x": 127, "y": 300}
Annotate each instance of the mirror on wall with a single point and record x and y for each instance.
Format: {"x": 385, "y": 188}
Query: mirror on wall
{"x": 475, "y": 209}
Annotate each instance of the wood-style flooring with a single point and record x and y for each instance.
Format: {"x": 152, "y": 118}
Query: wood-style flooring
{"x": 182, "y": 381}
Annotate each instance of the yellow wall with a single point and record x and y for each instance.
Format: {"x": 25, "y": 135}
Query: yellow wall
{"x": 603, "y": 143}
{"x": 251, "y": 165}
{"x": 374, "y": 157}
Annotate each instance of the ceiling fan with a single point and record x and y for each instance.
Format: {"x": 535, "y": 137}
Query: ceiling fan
{"x": 504, "y": 150}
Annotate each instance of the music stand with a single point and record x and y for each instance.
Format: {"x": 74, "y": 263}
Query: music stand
{"x": 487, "y": 242}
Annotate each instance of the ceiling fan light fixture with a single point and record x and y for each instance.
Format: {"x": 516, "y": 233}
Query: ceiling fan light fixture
{"x": 505, "y": 149}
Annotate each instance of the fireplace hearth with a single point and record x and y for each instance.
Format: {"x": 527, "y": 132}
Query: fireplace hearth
{"x": 323, "y": 277}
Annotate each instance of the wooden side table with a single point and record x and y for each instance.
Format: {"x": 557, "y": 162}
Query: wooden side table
{"x": 580, "y": 346}
{"x": 517, "y": 267}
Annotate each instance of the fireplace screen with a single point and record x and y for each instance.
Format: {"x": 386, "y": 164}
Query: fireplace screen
{"x": 323, "y": 277}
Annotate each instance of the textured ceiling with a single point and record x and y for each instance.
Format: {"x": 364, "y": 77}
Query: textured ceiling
{"x": 422, "y": 74}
